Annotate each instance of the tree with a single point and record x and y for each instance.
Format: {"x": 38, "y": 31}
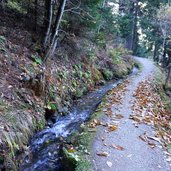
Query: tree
{"x": 164, "y": 16}
{"x": 51, "y": 37}
{"x": 127, "y": 21}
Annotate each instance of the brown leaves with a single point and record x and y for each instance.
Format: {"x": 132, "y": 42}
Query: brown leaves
{"x": 148, "y": 108}
{"x": 117, "y": 147}
{"x": 95, "y": 123}
{"x": 135, "y": 118}
{"x": 115, "y": 97}
{"x": 119, "y": 116}
{"x": 146, "y": 139}
{"x": 103, "y": 154}
{"x": 112, "y": 127}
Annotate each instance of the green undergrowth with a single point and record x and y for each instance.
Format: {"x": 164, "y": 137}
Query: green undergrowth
{"x": 160, "y": 81}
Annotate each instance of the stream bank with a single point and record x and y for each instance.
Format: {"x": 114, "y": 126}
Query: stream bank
{"x": 22, "y": 101}
{"x": 46, "y": 150}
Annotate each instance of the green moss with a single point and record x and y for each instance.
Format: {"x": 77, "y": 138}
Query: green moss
{"x": 83, "y": 165}
{"x": 84, "y": 141}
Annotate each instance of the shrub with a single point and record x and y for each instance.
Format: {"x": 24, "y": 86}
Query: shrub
{"x": 107, "y": 74}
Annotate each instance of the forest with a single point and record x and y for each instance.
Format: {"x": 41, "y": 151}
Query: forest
{"x": 82, "y": 81}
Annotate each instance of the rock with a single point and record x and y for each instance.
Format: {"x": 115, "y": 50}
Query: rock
{"x": 63, "y": 111}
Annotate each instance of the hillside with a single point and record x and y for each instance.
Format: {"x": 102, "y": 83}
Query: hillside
{"x": 34, "y": 95}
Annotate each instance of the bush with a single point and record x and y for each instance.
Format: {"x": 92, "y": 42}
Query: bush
{"x": 107, "y": 74}
{"x": 118, "y": 53}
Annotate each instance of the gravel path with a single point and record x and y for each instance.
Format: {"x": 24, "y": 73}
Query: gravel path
{"x": 137, "y": 155}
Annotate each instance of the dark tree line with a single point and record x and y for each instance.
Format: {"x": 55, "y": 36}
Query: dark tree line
{"x": 132, "y": 19}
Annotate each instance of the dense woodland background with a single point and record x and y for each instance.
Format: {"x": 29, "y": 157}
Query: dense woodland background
{"x": 140, "y": 26}
{"x": 55, "y": 51}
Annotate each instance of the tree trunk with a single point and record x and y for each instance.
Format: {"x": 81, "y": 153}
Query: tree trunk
{"x": 100, "y": 25}
{"x": 134, "y": 29}
{"x": 35, "y": 14}
{"x": 48, "y": 21}
{"x": 155, "y": 54}
{"x": 55, "y": 32}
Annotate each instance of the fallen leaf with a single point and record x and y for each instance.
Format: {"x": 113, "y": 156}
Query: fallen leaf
{"x": 143, "y": 138}
{"x": 71, "y": 150}
{"x": 119, "y": 116}
{"x": 117, "y": 147}
{"x": 103, "y": 154}
{"x": 135, "y": 118}
{"x": 154, "y": 138}
{"x": 152, "y": 145}
{"x": 112, "y": 128}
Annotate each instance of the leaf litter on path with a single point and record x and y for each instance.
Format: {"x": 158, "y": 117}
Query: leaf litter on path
{"x": 115, "y": 97}
{"x": 117, "y": 147}
{"x": 103, "y": 154}
{"x": 148, "y": 108}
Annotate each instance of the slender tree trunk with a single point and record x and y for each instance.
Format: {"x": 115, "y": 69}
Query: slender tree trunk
{"x": 48, "y": 21}
{"x": 100, "y": 25}
{"x": 35, "y": 14}
{"x": 128, "y": 42}
{"x": 155, "y": 55}
{"x": 134, "y": 29}
{"x": 54, "y": 39}
{"x": 164, "y": 55}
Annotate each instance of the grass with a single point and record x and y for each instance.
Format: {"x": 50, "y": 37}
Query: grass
{"x": 16, "y": 129}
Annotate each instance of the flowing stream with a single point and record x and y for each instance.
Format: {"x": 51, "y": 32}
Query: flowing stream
{"x": 45, "y": 147}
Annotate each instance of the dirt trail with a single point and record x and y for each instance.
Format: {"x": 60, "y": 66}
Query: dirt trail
{"x": 137, "y": 155}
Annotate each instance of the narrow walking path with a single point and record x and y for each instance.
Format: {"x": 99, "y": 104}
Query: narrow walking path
{"x": 123, "y": 149}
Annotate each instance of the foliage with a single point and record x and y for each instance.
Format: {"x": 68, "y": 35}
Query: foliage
{"x": 2, "y": 40}
{"x": 100, "y": 39}
{"x": 108, "y": 75}
{"x": 15, "y": 5}
{"x": 52, "y": 106}
{"x": 36, "y": 59}
{"x": 164, "y": 16}
{"x": 124, "y": 23}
